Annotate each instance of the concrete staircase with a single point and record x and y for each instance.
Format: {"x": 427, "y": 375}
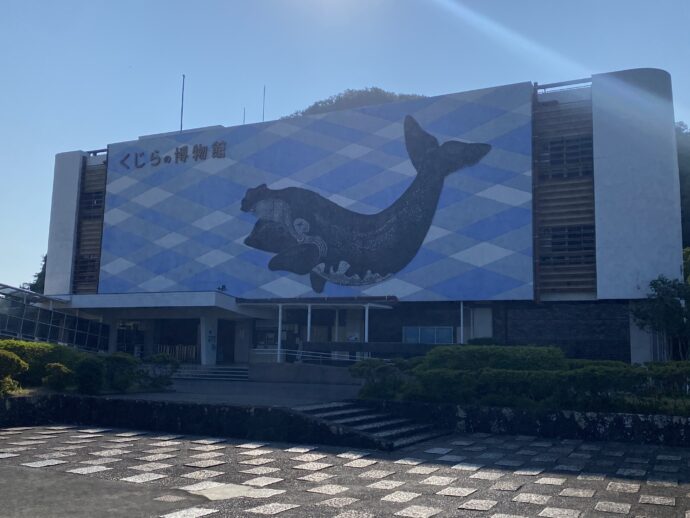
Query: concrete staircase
{"x": 387, "y": 431}
{"x": 212, "y": 372}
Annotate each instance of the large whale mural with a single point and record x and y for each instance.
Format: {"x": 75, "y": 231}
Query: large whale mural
{"x": 311, "y": 235}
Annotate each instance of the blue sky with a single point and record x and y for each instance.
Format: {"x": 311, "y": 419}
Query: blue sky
{"x": 83, "y": 74}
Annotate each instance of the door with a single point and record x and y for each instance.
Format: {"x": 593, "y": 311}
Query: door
{"x": 226, "y": 341}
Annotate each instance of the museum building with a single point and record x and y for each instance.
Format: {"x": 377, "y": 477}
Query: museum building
{"x": 519, "y": 214}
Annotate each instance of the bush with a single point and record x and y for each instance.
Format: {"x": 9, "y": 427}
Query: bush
{"x": 10, "y": 365}
{"x": 160, "y": 368}
{"x": 58, "y": 376}
{"x": 122, "y": 371}
{"x": 89, "y": 374}
{"x": 40, "y": 354}
{"x": 383, "y": 379}
{"x": 475, "y": 357}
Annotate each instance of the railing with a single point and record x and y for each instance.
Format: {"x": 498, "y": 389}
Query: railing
{"x": 303, "y": 356}
{"x": 183, "y": 353}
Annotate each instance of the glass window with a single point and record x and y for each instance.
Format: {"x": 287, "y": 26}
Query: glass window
{"x": 410, "y": 335}
{"x": 444, "y": 335}
{"x": 427, "y": 335}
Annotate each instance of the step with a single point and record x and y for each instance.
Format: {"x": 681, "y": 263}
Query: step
{"x": 389, "y": 434}
{"x": 380, "y": 424}
{"x": 359, "y": 419}
{"x": 337, "y": 413}
{"x": 323, "y": 406}
{"x": 414, "y": 439}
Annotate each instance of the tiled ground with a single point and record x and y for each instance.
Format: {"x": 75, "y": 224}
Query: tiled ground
{"x": 467, "y": 475}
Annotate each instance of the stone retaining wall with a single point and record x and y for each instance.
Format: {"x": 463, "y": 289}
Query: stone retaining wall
{"x": 568, "y": 424}
{"x": 245, "y": 422}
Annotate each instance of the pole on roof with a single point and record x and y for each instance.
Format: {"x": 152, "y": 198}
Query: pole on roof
{"x": 280, "y": 333}
{"x": 182, "y": 103}
{"x": 263, "y": 107}
{"x": 366, "y": 323}
{"x": 308, "y": 322}
{"x": 244, "y": 114}
{"x": 462, "y": 322}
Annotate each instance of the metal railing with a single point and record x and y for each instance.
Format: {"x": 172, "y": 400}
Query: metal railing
{"x": 318, "y": 357}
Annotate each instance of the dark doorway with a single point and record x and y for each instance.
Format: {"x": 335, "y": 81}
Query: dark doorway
{"x": 226, "y": 341}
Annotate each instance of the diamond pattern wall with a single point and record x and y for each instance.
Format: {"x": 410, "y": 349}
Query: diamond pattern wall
{"x": 173, "y": 220}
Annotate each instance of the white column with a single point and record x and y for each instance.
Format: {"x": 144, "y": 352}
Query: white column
{"x": 462, "y": 322}
{"x": 208, "y": 336}
{"x": 112, "y": 336}
{"x": 366, "y": 323}
{"x": 337, "y": 324}
{"x": 280, "y": 334}
{"x": 308, "y": 322}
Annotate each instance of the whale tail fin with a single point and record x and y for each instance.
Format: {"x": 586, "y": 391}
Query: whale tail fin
{"x": 428, "y": 157}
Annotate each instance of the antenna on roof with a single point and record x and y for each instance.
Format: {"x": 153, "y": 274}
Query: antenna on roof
{"x": 244, "y": 114}
{"x": 263, "y": 109}
{"x": 182, "y": 104}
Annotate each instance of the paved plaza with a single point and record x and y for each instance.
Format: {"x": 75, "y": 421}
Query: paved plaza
{"x": 75, "y": 471}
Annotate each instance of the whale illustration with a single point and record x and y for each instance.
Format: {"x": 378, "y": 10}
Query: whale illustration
{"x": 312, "y": 235}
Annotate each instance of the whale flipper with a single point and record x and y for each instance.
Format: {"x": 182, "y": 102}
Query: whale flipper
{"x": 317, "y": 282}
{"x": 298, "y": 259}
{"x": 269, "y": 236}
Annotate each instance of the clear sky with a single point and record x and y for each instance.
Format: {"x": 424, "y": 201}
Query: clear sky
{"x": 83, "y": 74}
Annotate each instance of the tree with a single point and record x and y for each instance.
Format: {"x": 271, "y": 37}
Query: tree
{"x": 666, "y": 311}
{"x": 38, "y": 284}
{"x": 353, "y": 99}
{"x": 683, "y": 140}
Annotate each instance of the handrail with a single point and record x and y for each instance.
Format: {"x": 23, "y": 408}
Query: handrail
{"x": 309, "y": 356}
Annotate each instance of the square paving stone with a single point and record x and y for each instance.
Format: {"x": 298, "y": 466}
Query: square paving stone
{"x": 457, "y": 491}
{"x": 577, "y": 492}
{"x": 418, "y": 511}
{"x": 192, "y": 512}
{"x": 507, "y": 485}
{"x": 559, "y": 512}
{"x": 376, "y": 473}
{"x": 612, "y": 507}
{"x": 530, "y": 472}
{"x": 438, "y": 481}
{"x": 200, "y": 486}
{"x": 256, "y": 453}
{"x": 354, "y": 514}
{"x": 353, "y": 455}
{"x": 423, "y": 470}
{"x": 300, "y": 449}
{"x": 339, "y": 502}
{"x": 102, "y": 460}
{"x": 206, "y": 455}
{"x": 400, "y": 496}
{"x": 551, "y": 481}
{"x": 144, "y": 477}
{"x": 386, "y": 484}
{"x": 360, "y": 463}
{"x": 329, "y": 489}
{"x": 271, "y": 509}
{"x": 591, "y": 476}
{"x": 251, "y": 445}
{"x": 155, "y": 458}
{"x": 203, "y": 474}
{"x": 261, "y": 470}
{"x": 44, "y": 463}
{"x": 409, "y": 461}
{"x": 8, "y": 455}
{"x": 467, "y": 466}
{"x": 629, "y": 472}
{"x": 88, "y": 470}
{"x": 151, "y": 466}
{"x": 205, "y": 463}
{"x": 109, "y": 453}
{"x": 170, "y": 498}
{"x": 478, "y": 505}
{"x": 532, "y": 498}
{"x": 262, "y": 481}
{"x": 451, "y": 458}
{"x": 438, "y": 451}
{"x": 313, "y": 466}
{"x": 623, "y": 487}
{"x": 316, "y": 477}
{"x": 309, "y": 457}
{"x": 657, "y": 500}
{"x": 258, "y": 461}
{"x": 487, "y": 475}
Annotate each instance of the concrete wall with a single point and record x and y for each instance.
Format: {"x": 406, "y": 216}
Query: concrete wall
{"x": 63, "y": 222}
{"x": 636, "y": 187}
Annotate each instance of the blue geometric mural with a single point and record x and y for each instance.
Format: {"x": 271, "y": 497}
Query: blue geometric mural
{"x": 175, "y": 218}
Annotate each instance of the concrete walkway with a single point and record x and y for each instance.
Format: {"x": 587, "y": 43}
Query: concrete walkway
{"x": 250, "y": 393}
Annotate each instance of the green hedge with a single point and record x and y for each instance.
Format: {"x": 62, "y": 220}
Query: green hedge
{"x": 38, "y": 355}
{"x": 528, "y": 377}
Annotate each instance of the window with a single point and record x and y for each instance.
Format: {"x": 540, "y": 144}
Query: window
{"x": 427, "y": 335}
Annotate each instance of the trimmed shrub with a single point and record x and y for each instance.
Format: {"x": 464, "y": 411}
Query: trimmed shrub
{"x": 40, "y": 354}
{"x": 383, "y": 379}
{"x": 58, "y": 376}
{"x": 160, "y": 368}
{"x": 475, "y": 357}
{"x": 89, "y": 374}
{"x": 122, "y": 371}
{"x": 10, "y": 365}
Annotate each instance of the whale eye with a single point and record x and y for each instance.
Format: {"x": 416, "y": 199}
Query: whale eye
{"x": 301, "y": 226}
